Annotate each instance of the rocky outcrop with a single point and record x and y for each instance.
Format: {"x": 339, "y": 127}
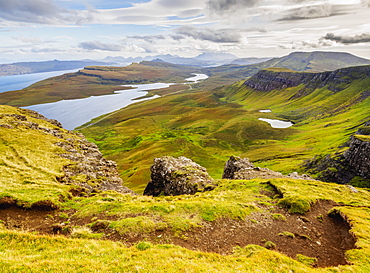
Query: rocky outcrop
{"x": 349, "y": 167}
{"x": 243, "y": 169}
{"x": 234, "y": 165}
{"x": 270, "y": 79}
{"x": 358, "y": 156}
{"x": 88, "y": 169}
{"x": 176, "y": 176}
{"x": 92, "y": 172}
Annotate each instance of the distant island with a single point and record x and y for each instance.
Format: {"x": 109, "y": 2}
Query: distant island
{"x": 46, "y": 66}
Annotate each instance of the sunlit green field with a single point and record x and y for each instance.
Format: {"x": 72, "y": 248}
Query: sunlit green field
{"x": 209, "y": 126}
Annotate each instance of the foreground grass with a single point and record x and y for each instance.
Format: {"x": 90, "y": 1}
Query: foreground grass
{"x": 24, "y": 252}
{"x": 30, "y": 253}
{"x": 145, "y": 214}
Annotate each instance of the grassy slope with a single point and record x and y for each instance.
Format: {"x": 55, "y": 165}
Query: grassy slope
{"x": 25, "y": 252}
{"x": 208, "y": 127}
{"x": 29, "y": 163}
{"x": 196, "y": 125}
{"x": 324, "y": 119}
{"x": 203, "y": 127}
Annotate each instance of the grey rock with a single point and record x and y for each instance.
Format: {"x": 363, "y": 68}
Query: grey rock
{"x": 177, "y": 176}
{"x": 243, "y": 169}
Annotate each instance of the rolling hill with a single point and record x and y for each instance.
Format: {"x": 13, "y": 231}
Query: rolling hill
{"x": 94, "y": 81}
{"x": 67, "y": 205}
{"x": 62, "y": 209}
{"x": 297, "y": 61}
{"x": 209, "y": 126}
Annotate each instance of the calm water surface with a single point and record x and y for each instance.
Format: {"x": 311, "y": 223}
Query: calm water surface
{"x": 74, "y": 113}
{"x": 18, "y": 82}
{"x": 275, "y": 123}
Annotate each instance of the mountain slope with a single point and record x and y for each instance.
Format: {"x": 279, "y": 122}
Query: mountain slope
{"x": 297, "y": 61}
{"x": 317, "y": 61}
{"x": 329, "y": 106}
{"x": 302, "y": 224}
{"x": 209, "y": 126}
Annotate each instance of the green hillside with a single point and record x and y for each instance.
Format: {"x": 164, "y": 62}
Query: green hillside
{"x": 64, "y": 207}
{"x": 50, "y": 225}
{"x": 209, "y": 126}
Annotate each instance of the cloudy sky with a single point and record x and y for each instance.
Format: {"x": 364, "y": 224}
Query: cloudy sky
{"x": 32, "y": 30}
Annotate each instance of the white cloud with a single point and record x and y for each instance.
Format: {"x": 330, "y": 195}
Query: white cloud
{"x": 96, "y": 45}
{"x": 36, "y": 11}
{"x": 29, "y": 40}
{"x": 207, "y": 34}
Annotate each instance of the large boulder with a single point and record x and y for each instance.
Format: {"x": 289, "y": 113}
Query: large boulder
{"x": 176, "y": 176}
{"x": 243, "y": 169}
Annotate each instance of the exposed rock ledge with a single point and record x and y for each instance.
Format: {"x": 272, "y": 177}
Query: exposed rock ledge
{"x": 349, "y": 167}
{"x": 243, "y": 169}
{"x": 268, "y": 79}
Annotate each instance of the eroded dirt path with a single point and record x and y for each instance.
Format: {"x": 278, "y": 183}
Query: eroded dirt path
{"x": 314, "y": 234}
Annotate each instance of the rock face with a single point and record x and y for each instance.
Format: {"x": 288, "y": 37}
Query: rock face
{"x": 92, "y": 171}
{"x": 176, "y": 176}
{"x": 243, "y": 169}
{"x": 358, "y": 156}
{"x": 349, "y": 167}
{"x": 268, "y": 80}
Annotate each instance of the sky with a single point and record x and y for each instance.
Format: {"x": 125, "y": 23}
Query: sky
{"x": 37, "y": 30}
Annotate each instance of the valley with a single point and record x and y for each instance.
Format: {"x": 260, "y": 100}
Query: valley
{"x": 72, "y": 201}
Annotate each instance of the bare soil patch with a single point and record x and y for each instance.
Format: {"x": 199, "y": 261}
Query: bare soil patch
{"x": 314, "y": 234}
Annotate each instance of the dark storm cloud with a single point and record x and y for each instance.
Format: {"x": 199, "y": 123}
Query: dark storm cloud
{"x": 96, "y": 45}
{"x": 217, "y": 36}
{"x": 224, "y": 6}
{"x": 360, "y": 38}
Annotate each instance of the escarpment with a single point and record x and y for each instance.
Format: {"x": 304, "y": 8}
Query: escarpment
{"x": 358, "y": 155}
{"x": 351, "y": 166}
{"x": 277, "y": 79}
